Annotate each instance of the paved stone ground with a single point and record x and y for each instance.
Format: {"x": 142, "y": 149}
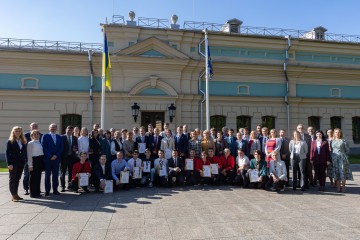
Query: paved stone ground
{"x": 190, "y": 213}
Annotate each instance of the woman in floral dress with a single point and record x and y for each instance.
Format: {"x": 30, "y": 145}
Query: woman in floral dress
{"x": 341, "y": 166}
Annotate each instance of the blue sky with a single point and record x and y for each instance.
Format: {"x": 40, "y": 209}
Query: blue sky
{"x": 78, "y": 20}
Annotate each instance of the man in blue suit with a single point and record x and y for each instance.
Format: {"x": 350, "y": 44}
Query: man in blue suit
{"x": 231, "y": 140}
{"x": 53, "y": 147}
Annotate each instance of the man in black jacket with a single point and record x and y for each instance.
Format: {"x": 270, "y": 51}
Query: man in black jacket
{"x": 176, "y": 169}
{"x": 102, "y": 173}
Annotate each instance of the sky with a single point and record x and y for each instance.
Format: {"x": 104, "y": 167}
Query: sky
{"x": 79, "y": 20}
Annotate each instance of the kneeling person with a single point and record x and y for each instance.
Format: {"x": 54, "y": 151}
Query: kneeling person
{"x": 80, "y": 167}
{"x": 102, "y": 172}
{"x": 278, "y": 173}
{"x": 117, "y": 166}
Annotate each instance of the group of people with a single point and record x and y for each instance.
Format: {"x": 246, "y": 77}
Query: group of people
{"x": 150, "y": 157}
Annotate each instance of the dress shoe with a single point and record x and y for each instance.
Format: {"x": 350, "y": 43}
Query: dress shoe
{"x": 303, "y": 189}
{"x": 19, "y": 198}
{"x": 47, "y": 194}
{"x": 87, "y": 190}
{"x": 56, "y": 193}
{"x": 63, "y": 190}
{"x": 36, "y": 196}
{"x": 14, "y": 199}
{"x": 26, "y": 192}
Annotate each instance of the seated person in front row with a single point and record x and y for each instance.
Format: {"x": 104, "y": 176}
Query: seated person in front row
{"x": 199, "y": 166}
{"x": 102, "y": 173}
{"x": 147, "y": 161}
{"x": 214, "y": 160}
{"x": 135, "y": 161}
{"x": 190, "y": 175}
{"x": 117, "y": 166}
{"x": 260, "y": 165}
{"x": 242, "y": 165}
{"x": 80, "y": 167}
{"x": 176, "y": 169}
{"x": 278, "y": 173}
{"x": 159, "y": 173}
{"x": 227, "y": 174}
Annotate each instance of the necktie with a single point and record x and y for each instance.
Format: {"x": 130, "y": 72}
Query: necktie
{"x": 175, "y": 161}
{"x": 54, "y": 138}
{"x": 69, "y": 142}
{"x": 103, "y": 167}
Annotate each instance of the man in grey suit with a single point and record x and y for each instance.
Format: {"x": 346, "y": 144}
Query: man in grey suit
{"x": 284, "y": 152}
{"x": 306, "y": 137}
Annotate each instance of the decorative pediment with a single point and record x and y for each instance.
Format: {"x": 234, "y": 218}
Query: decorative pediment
{"x": 153, "y": 87}
{"x": 152, "y": 47}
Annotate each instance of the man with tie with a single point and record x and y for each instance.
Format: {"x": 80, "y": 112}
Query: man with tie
{"x": 176, "y": 169}
{"x": 53, "y": 147}
{"x": 142, "y": 142}
{"x": 68, "y": 156}
{"x": 263, "y": 139}
{"x": 231, "y": 142}
{"x": 309, "y": 179}
{"x": 106, "y": 147}
{"x": 181, "y": 142}
{"x": 102, "y": 173}
{"x": 241, "y": 144}
{"x": 284, "y": 152}
{"x": 155, "y": 143}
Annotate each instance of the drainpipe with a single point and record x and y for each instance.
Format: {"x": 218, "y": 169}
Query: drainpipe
{"x": 286, "y": 98}
{"x": 203, "y": 100}
{"x": 90, "y": 52}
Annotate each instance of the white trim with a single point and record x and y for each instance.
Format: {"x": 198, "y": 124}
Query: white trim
{"x": 246, "y": 87}
{"x": 24, "y": 80}
{"x": 333, "y": 90}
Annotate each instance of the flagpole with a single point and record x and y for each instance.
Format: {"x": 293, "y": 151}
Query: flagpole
{"x": 207, "y": 76}
{"x": 103, "y": 79}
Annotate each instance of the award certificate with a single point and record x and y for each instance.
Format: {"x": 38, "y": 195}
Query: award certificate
{"x": 83, "y": 179}
{"x": 167, "y": 153}
{"x": 147, "y": 166}
{"x": 162, "y": 171}
{"x": 206, "y": 171}
{"x": 108, "y": 186}
{"x": 254, "y": 175}
{"x": 124, "y": 177}
{"x": 189, "y": 164}
{"x": 214, "y": 168}
{"x": 142, "y": 147}
{"x": 137, "y": 173}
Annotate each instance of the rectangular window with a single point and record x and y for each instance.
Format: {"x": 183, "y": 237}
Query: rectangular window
{"x": 356, "y": 129}
{"x": 335, "y": 122}
{"x": 314, "y": 122}
{"x": 243, "y": 121}
{"x": 268, "y": 121}
{"x": 217, "y": 122}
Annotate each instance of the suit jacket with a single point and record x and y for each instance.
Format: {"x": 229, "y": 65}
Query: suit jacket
{"x": 324, "y": 155}
{"x": 244, "y": 147}
{"x": 179, "y": 163}
{"x": 182, "y": 144}
{"x": 303, "y": 149}
{"x": 155, "y": 145}
{"x": 307, "y": 139}
{"x": 14, "y": 155}
{"x": 74, "y": 146}
{"x": 28, "y": 138}
{"x": 279, "y": 170}
{"x": 106, "y": 149}
{"x": 50, "y": 148}
{"x": 100, "y": 174}
{"x": 284, "y": 150}
{"x": 232, "y": 145}
{"x": 138, "y": 140}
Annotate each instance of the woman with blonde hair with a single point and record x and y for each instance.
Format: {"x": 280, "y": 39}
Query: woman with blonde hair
{"x": 341, "y": 166}
{"x": 206, "y": 141}
{"x": 15, "y": 158}
{"x": 298, "y": 151}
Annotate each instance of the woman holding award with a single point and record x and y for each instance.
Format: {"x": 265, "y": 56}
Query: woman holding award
{"x": 203, "y": 170}
{"x": 258, "y": 171}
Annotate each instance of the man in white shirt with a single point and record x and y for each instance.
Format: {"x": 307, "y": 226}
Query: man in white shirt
{"x": 159, "y": 172}
{"x": 135, "y": 161}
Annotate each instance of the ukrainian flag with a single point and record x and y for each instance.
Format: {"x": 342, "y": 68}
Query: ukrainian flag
{"x": 106, "y": 65}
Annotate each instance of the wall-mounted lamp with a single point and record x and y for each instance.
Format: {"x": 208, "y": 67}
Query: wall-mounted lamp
{"x": 172, "y": 109}
{"x": 135, "y": 111}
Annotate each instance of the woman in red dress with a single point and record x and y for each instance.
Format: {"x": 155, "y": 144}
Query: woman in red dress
{"x": 273, "y": 144}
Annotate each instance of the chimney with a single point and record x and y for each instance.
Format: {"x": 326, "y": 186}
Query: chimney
{"x": 232, "y": 26}
{"x": 317, "y": 33}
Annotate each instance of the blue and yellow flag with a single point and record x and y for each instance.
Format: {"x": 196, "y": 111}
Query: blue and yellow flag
{"x": 106, "y": 65}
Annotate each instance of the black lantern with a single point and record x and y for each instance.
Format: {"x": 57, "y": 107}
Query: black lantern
{"x": 172, "y": 109}
{"x": 135, "y": 111}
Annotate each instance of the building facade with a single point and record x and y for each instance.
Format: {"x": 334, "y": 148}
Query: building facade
{"x": 258, "y": 79}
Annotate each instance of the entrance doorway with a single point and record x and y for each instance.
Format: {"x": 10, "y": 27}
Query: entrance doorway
{"x": 154, "y": 118}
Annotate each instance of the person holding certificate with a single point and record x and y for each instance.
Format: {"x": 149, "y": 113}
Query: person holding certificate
{"x": 102, "y": 173}
{"x": 278, "y": 173}
{"x": 200, "y": 175}
{"x": 215, "y": 164}
{"x": 135, "y": 165}
{"x": 227, "y": 173}
{"x": 176, "y": 169}
{"x": 81, "y": 174}
{"x": 118, "y": 166}
{"x": 142, "y": 142}
{"x": 159, "y": 172}
{"x": 242, "y": 165}
{"x": 147, "y": 165}
{"x": 259, "y": 165}
{"x": 190, "y": 174}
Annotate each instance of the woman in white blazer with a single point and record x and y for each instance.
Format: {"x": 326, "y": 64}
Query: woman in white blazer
{"x": 298, "y": 151}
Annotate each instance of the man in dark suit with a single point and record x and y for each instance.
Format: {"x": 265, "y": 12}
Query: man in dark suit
{"x": 309, "y": 179}
{"x": 284, "y": 152}
{"x": 231, "y": 140}
{"x": 102, "y": 173}
{"x": 106, "y": 147}
{"x": 68, "y": 156}
{"x": 176, "y": 169}
{"x": 155, "y": 143}
{"x": 33, "y": 126}
{"x": 241, "y": 144}
{"x": 142, "y": 142}
{"x": 264, "y": 137}
{"x": 181, "y": 142}
{"x": 53, "y": 147}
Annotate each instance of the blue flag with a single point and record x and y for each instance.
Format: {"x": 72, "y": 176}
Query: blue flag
{"x": 209, "y": 63}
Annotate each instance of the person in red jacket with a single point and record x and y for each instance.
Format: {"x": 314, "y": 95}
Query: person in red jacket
{"x": 80, "y": 167}
{"x": 227, "y": 173}
{"x": 320, "y": 157}
{"x": 199, "y": 174}
{"x": 214, "y": 160}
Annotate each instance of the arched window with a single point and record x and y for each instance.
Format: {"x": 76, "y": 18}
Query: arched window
{"x": 30, "y": 83}
{"x": 268, "y": 121}
{"x": 243, "y": 121}
{"x": 217, "y": 122}
{"x": 70, "y": 119}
